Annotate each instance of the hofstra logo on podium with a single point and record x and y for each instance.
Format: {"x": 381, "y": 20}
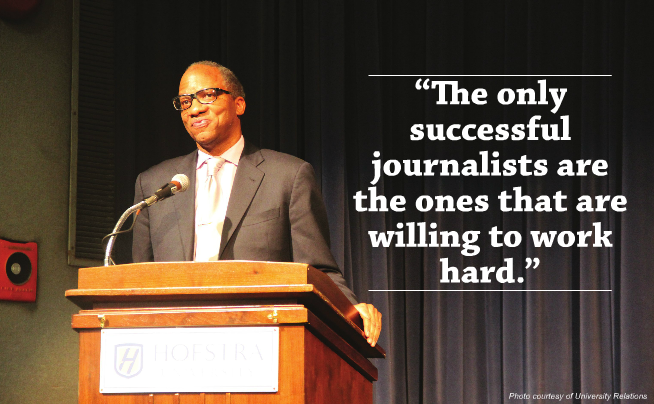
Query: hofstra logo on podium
{"x": 189, "y": 360}
{"x": 128, "y": 360}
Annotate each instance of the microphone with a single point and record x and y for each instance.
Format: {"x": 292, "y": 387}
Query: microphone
{"x": 179, "y": 183}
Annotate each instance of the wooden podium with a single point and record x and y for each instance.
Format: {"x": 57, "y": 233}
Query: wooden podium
{"x": 322, "y": 349}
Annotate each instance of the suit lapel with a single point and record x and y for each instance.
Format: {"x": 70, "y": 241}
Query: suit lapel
{"x": 246, "y": 183}
{"x": 185, "y": 205}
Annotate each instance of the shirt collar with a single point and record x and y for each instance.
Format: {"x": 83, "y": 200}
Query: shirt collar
{"x": 232, "y": 155}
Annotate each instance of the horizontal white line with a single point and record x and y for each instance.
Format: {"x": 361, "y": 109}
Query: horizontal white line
{"x": 490, "y": 75}
{"x": 490, "y": 290}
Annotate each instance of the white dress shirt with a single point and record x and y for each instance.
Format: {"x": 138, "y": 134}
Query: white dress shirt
{"x": 209, "y": 229}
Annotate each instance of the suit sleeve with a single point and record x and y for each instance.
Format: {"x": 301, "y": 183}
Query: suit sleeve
{"x": 310, "y": 228}
{"x": 141, "y": 242}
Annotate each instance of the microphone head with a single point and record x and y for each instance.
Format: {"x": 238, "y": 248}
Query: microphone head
{"x": 181, "y": 183}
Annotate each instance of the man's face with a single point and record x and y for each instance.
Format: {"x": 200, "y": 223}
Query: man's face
{"x": 215, "y": 127}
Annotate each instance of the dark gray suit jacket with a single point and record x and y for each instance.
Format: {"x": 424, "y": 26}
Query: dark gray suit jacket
{"x": 275, "y": 213}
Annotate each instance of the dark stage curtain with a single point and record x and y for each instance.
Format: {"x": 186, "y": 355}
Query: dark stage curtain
{"x": 305, "y": 67}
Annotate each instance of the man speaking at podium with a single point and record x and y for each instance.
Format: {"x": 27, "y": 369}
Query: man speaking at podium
{"x": 243, "y": 203}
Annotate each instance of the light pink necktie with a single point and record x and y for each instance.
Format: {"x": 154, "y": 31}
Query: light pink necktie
{"x": 208, "y": 222}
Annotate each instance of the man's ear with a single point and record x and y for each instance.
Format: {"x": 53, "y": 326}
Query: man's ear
{"x": 240, "y": 105}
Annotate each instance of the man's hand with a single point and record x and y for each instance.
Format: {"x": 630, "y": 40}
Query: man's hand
{"x": 371, "y": 321}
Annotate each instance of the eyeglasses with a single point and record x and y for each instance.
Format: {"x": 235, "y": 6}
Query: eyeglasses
{"x": 206, "y": 96}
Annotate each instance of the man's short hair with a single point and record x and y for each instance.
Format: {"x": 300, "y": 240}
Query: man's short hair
{"x": 231, "y": 81}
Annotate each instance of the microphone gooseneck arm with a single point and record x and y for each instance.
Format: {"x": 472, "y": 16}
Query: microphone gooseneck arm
{"x": 121, "y": 221}
{"x": 179, "y": 183}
